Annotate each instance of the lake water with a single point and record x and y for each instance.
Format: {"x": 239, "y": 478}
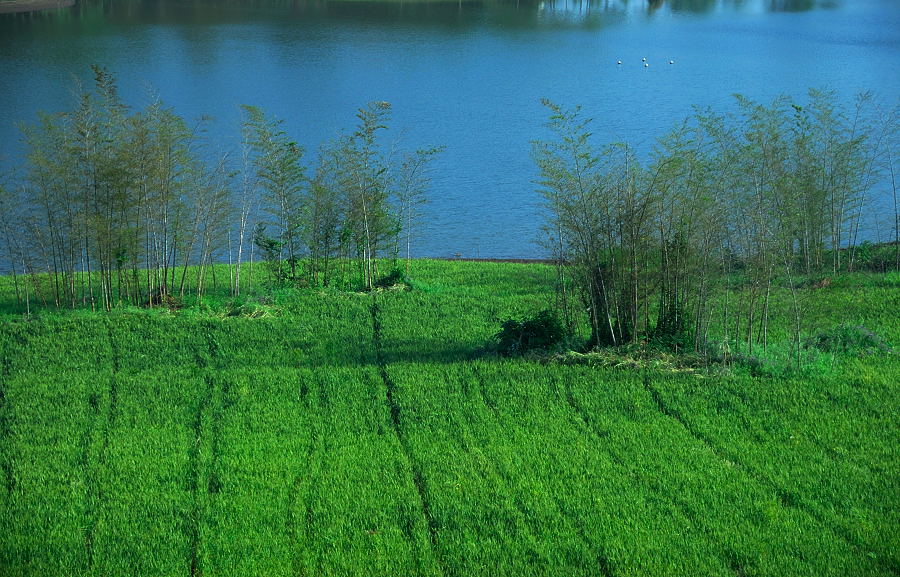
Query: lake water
{"x": 468, "y": 76}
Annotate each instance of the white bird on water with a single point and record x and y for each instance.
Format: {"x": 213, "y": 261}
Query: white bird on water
{"x": 646, "y": 65}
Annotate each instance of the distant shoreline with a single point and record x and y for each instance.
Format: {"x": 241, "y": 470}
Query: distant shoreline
{"x": 15, "y": 6}
{"x": 19, "y": 6}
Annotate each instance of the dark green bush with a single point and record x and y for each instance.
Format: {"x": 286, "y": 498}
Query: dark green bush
{"x": 846, "y": 338}
{"x": 541, "y": 332}
{"x": 392, "y": 279}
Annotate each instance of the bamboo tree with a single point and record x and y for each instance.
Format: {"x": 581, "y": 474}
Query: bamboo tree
{"x": 367, "y": 183}
{"x": 896, "y": 214}
{"x": 325, "y": 213}
{"x": 246, "y": 208}
{"x": 414, "y": 179}
{"x": 213, "y": 197}
{"x": 689, "y": 222}
{"x": 277, "y": 163}
{"x": 8, "y": 216}
{"x": 45, "y": 190}
{"x": 161, "y": 144}
{"x": 583, "y": 211}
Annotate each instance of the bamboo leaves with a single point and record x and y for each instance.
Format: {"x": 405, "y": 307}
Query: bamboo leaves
{"x": 774, "y": 188}
{"x": 114, "y": 205}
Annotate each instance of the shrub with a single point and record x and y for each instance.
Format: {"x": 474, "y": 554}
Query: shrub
{"x": 271, "y": 251}
{"x": 392, "y": 279}
{"x": 541, "y": 332}
{"x": 161, "y": 298}
{"x": 846, "y": 338}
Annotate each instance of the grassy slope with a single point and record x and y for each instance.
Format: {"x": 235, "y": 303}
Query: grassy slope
{"x": 307, "y": 443}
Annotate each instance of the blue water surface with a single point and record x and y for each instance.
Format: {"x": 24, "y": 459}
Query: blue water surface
{"x": 468, "y": 76}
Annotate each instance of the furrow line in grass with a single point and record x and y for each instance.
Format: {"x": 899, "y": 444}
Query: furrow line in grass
{"x": 502, "y": 472}
{"x": 836, "y": 458}
{"x": 786, "y": 498}
{"x": 93, "y": 488}
{"x": 112, "y": 411}
{"x": 219, "y": 413}
{"x": 706, "y": 441}
{"x": 192, "y": 525}
{"x": 93, "y": 493}
{"x": 417, "y": 479}
{"x": 736, "y": 562}
{"x": 742, "y": 399}
{"x": 6, "y": 419}
{"x": 99, "y": 497}
{"x": 314, "y": 451}
{"x": 294, "y": 520}
{"x": 216, "y": 409}
{"x": 828, "y": 449}
{"x": 219, "y": 399}
{"x": 294, "y": 497}
{"x": 114, "y": 347}
{"x": 489, "y": 403}
{"x": 603, "y": 562}
{"x": 293, "y": 538}
{"x": 113, "y": 386}
{"x": 206, "y": 356}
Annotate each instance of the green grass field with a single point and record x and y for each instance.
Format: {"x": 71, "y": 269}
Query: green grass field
{"x": 364, "y": 434}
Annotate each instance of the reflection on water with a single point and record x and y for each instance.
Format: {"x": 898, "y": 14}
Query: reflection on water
{"x": 449, "y": 12}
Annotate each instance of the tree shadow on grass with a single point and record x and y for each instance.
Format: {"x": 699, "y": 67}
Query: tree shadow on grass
{"x": 430, "y": 352}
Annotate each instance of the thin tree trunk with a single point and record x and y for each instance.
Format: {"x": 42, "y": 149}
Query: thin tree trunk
{"x": 250, "y": 284}
{"x": 27, "y": 297}
{"x": 764, "y": 320}
{"x": 896, "y": 216}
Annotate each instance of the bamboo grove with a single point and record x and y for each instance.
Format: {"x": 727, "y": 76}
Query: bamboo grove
{"x": 765, "y": 195}
{"x": 116, "y": 206}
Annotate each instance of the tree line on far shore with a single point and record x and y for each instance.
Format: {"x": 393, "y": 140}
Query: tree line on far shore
{"x": 769, "y": 194}
{"x": 115, "y": 206}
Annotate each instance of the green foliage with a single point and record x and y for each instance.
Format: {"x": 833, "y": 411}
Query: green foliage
{"x": 116, "y": 207}
{"x": 393, "y": 279}
{"x": 771, "y": 191}
{"x": 277, "y": 163}
{"x": 249, "y": 438}
{"x": 848, "y": 338}
{"x": 542, "y": 332}
{"x": 271, "y": 251}
{"x": 673, "y": 327}
{"x": 871, "y": 257}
